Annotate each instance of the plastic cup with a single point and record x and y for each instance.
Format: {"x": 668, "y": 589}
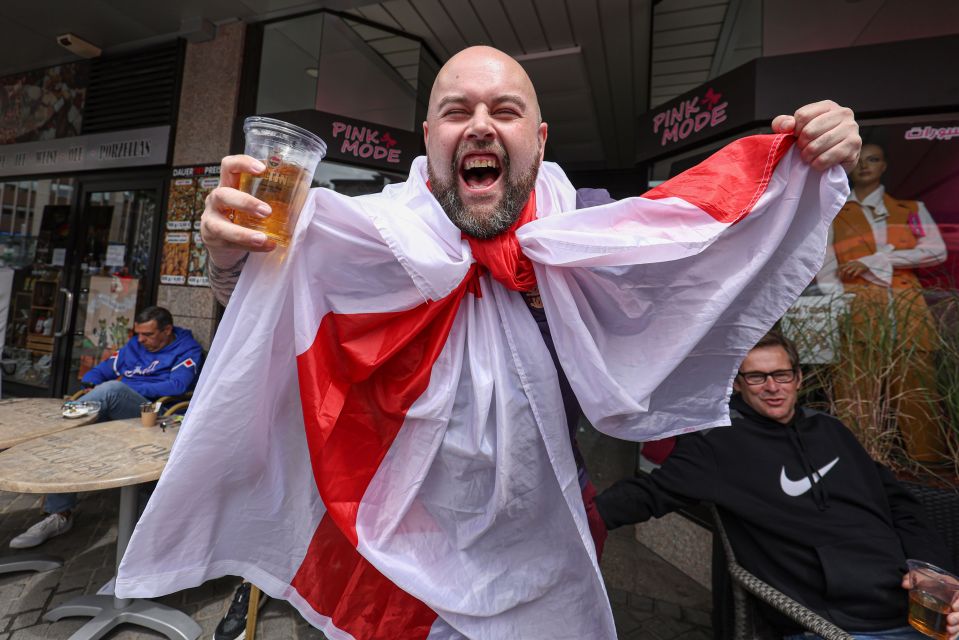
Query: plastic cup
{"x": 930, "y": 598}
{"x": 148, "y": 414}
{"x": 291, "y": 155}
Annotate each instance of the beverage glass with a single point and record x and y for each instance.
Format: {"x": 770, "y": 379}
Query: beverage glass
{"x": 148, "y": 414}
{"x": 930, "y": 598}
{"x": 291, "y": 155}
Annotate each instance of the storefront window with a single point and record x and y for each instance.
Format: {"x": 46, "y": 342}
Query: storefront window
{"x": 112, "y": 244}
{"x": 33, "y": 243}
{"x": 880, "y": 323}
{"x": 331, "y": 63}
{"x": 22, "y": 203}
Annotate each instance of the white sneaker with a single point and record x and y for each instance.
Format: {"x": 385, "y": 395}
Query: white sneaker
{"x": 53, "y": 525}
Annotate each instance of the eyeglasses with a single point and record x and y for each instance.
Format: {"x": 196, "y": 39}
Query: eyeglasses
{"x": 754, "y": 378}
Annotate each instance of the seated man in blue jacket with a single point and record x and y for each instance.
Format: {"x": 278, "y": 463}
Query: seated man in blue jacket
{"x": 160, "y": 360}
{"x": 805, "y": 507}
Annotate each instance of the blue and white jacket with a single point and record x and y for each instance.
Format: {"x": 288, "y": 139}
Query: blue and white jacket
{"x": 168, "y": 372}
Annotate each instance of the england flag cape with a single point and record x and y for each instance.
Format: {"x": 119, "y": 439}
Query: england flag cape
{"x": 378, "y": 435}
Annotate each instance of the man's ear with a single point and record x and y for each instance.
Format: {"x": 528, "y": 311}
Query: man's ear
{"x": 541, "y": 134}
{"x": 426, "y": 134}
{"x": 736, "y": 388}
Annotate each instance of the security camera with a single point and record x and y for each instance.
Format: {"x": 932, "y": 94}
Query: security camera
{"x": 75, "y": 44}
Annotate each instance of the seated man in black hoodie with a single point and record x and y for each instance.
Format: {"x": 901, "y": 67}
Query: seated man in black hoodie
{"x": 805, "y": 507}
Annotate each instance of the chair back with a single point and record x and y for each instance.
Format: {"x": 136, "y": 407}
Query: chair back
{"x": 942, "y": 512}
{"x": 749, "y": 593}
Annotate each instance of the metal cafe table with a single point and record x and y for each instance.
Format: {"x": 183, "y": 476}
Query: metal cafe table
{"x": 122, "y": 453}
{"x": 23, "y": 419}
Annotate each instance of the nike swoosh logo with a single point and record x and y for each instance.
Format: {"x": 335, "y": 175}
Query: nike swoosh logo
{"x": 798, "y": 487}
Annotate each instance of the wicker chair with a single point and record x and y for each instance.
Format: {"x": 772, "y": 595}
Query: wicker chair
{"x": 942, "y": 512}
{"x": 749, "y": 593}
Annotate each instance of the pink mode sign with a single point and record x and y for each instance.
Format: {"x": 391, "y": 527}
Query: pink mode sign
{"x": 365, "y": 142}
{"x": 690, "y": 116}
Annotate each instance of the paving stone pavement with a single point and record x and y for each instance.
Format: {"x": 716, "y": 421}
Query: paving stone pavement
{"x": 650, "y": 598}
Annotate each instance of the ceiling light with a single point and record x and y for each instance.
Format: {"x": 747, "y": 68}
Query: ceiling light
{"x": 313, "y": 72}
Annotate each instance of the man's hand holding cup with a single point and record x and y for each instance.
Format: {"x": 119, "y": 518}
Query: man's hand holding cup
{"x": 256, "y": 205}
{"x": 228, "y": 242}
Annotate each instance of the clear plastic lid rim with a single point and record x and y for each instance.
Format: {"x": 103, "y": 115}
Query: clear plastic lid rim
{"x": 284, "y": 128}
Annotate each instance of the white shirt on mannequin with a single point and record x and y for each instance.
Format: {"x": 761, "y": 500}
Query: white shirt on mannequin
{"x": 929, "y": 251}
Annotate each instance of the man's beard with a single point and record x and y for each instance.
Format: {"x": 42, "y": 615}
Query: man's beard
{"x": 478, "y": 222}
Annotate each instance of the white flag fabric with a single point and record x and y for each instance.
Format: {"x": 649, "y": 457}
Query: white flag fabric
{"x": 378, "y": 434}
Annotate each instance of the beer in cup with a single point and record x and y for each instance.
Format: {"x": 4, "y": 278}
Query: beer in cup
{"x": 291, "y": 155}
{"x": 930, "y": 598}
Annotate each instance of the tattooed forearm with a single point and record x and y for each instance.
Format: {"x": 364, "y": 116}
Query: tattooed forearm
{"x": 223, "y": 281}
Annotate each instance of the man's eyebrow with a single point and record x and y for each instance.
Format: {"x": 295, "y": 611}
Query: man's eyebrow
{"x": 515, "y": 99}
{"x": 448, "y": 100}
{"x": 459, "y": 99}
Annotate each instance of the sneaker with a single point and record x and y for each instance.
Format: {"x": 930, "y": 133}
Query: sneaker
{"x": 233, "y": 624}
{"x": 53, "y": 525}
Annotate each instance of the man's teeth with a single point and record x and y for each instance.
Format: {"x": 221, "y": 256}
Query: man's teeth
{"x": 481, "y": 163}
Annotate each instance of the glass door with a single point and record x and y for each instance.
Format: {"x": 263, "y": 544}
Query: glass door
{"x": 112, "y": 276}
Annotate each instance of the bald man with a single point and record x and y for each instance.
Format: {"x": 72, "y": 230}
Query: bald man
{"x": 485, "y": 139}
{"x": 405, "y": 310}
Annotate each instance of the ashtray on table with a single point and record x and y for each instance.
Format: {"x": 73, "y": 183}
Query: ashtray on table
{"x": 79, "y": 408}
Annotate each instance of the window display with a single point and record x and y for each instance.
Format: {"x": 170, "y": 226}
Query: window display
{"x": 883, "y": 313}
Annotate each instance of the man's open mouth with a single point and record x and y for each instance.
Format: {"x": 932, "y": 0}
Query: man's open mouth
{"x": 480, "y": 171}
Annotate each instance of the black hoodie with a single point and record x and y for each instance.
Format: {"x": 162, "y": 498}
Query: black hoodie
{"x": 838, "y": 545}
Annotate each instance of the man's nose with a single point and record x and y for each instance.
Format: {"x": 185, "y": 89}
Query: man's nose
{"x": 481, "y": 125}
{"x": 769, "y": 384}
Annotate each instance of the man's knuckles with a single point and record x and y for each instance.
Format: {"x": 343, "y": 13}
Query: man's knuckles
{"x": 224, "y": 199}
{"x": 841, "y": 119}
{"x": 805, "y": 115}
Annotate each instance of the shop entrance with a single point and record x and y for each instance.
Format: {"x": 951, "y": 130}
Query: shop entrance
{"x": 92, "y": 266}
{"x": 113, "y": 274}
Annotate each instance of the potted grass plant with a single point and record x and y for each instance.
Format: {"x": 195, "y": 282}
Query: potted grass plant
{"x": 891, "y": 377}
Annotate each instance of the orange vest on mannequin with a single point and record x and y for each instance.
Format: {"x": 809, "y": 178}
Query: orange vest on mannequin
{"x": 853, "y": 238}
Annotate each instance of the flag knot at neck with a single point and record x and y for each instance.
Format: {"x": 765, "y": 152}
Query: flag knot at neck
{"x": 473, "y": 279}
{"x": 502, "y": 255}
